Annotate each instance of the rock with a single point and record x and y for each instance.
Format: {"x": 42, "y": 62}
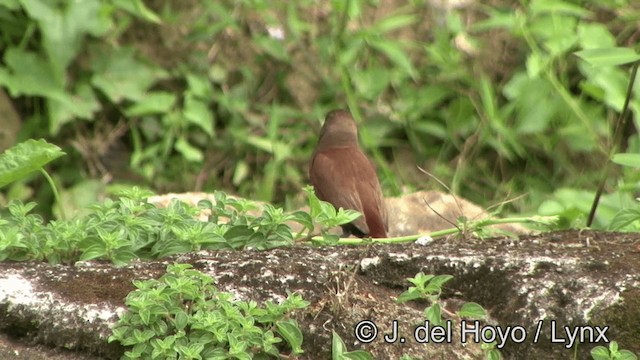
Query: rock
{"x": 577, "y": 278}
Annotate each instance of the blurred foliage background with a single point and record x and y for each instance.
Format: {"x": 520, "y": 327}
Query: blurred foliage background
{"x": 229, "y": 95}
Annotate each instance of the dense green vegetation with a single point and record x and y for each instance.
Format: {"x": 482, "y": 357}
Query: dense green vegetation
{"x": 229, "y": 95}
{"x": 183, "y": 315}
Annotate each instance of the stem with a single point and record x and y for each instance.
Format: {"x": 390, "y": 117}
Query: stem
{"x": 621, "y": 124}
{"x": 56, "y": 194}
{"x": 441, "y": 233}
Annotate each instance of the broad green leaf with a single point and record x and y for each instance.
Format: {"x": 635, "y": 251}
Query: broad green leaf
{"x": 626, "y": 355}
{"x": 433, "y": 314}
{"x": 64, "y": 27}
{"x": 595, "y": 35}
{"x": 238, "y": 235}
{"x": 121, "y": 76}
{"x": 279, "y": 149}
{"x": 93, "y": 252}
{"x": 395, "y": 53}
{"x": 527, "y": 94}
{"x": 315, "y": 208}
{"x": 600, "y": 353}
{"x": 291, "y": 333}
{"x": 337, "y": 346}
{"x": 27, "y": 73}
{"x": 83, "y": 104}
{"x": 25, "y": 158}
{"x": 494, "y": 354}
{"x": 156, "y": 102}
{"x": 190, "y": 152}
{"x": 439, "y": 280}
{"x": 199, "y": 86}
{"x": 609, "y": 56}
{"x": 535, "y": 64}
{"x": 371, "y": 84}
{"x": 409, "y": 296}
{"x": 624, "y": 218}
{"x": 558, "y": 33}
{"x": 197, "y": 112}
{"x": 473, "y": 311}
{"x": 626, "y": 159}
{"x": 241, "y": 172}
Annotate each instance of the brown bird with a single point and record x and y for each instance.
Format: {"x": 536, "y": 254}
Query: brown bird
{"x": 343, "y": 176}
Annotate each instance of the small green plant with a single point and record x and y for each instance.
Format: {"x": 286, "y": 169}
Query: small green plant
{"x": 183, "y": 315}
{"x": 339, "y": 350}
{"x": 429, "y": 287}
{"x": 326, "y": 215}
{"x": 129, "y": 227}
{"x": 612, "y": 353}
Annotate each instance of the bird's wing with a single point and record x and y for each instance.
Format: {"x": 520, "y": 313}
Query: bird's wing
{"x": 367, "y": 183}
{"x": 332, "y": 175}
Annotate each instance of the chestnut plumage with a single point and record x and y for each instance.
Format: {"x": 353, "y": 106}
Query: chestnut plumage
{"x": 343, "y": 176}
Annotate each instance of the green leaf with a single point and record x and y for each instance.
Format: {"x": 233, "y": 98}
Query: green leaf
{"x": 24, "y": 158}
{"x": 314, "y": 203}
{"x": 394, "y": 22}
{"x": 609, "y": 56}
{"x": 595, "y": 35}
{"x": 303, "y": 218}
{"x": 395, "y": 53}
{"x": 338, "y": 348}
{"x": 238, "y": 235}
{"x": 600, "y": 353}
{"x": 123, "y": 257}
{"x": 199, "y": 86}
{"x": 411, "y": 294}
{"x": 197, "y": 112}
{"x": 473, "y": 311}
{"x": 624, "y": 218}
{"x": 291, "y": 333}
{"x": 494, "y": 354}
{"x": 190, "y": 153}
{"x": 139, "y": 9}
{"x": 93, "y": 252}
{"x": 435, "y": 284}
{"x": 121, "y": 76}
{"x": 279, "y": 149}
{"x": 27, "y": 73}
{"x": 626, "y": 355}
{"x": 63, "y": 28}
{"x": 627, "y": 159}
{"x": 433, "y": 314}
{"x": 83, "y": 104}
{"x": 154, "y": 102}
